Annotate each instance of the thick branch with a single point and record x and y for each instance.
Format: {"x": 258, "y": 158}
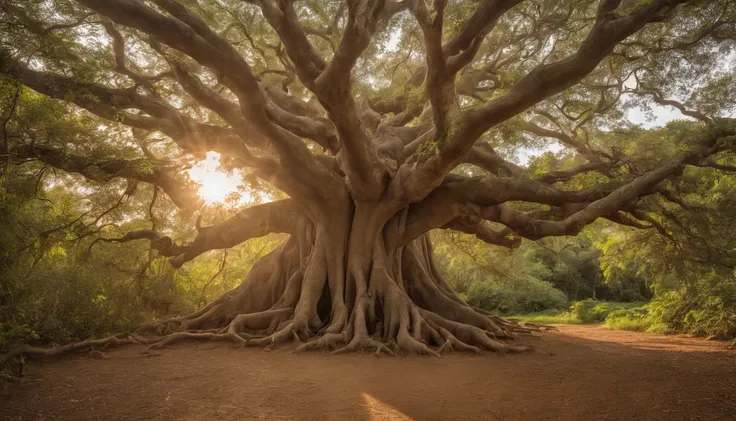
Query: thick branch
{"x": 189, "y": 34}
{"x": 484, "y": 156}
{"x": 112, "y": 104}
{"x": 161, "y": 174}
{"x": 282, "y": 17}
{"x": 562, "y": 137}
{"x": 659, "y": 99}
{"x": 118, "y": 44}
{"x": 459, "y": 196}
{"x": 535, "y": 228}
{"x": 253, "y": 222}
{"x": 562, "y": 175}
{"x": 484, "y": 232}
{"x": 541, "y": 83}
{"x": 361, "y": 162}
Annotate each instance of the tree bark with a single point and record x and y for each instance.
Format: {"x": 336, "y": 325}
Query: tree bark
{"x": 337, "y": 284}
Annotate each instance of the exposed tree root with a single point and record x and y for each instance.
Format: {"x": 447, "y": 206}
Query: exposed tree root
{"x": 537, "y": 326}
{"x": 328, "y": 342}
{"x": 388, "y": 303}
{"x": 180, "y": 336}
{"x": 362, "y": 344}
{"x": 27, "y": 350}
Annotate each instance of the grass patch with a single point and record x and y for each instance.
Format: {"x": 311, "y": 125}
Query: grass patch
{"x": 664, "y": 315}
{"x": 626, "y": 323}
{"x": 547, "y": 317}
{"x": 590, "y": 311}
{"x": 637, "y": 319}
{"x": 660, "y": 327}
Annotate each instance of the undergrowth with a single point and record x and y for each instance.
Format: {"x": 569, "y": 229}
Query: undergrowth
{"x": 667, "y": 314}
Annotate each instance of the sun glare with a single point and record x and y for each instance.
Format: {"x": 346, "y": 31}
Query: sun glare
{"x": 215, "y": 184}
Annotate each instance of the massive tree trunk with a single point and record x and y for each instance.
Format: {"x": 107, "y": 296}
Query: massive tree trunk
{"x": 340, "y": 282}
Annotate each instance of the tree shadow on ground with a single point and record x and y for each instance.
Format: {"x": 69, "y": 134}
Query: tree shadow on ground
{"x": 582, "y": 373}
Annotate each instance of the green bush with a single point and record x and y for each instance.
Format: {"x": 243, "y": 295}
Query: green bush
{"x": 673, "y": 313}
{"x": 659, "y": 327}
{"x": 637, "y": 319}
{"x": 592, "y": 311}
{"x": 547, "y": 317}
{"x": 10, "y": 334}
{"x": 669, "y": 313}
{"x": 523, "y": 296}
{"x": 65, "y": 305}
{"x": 699, "y": 314}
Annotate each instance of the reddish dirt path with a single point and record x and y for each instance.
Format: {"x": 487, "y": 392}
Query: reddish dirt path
{"x": 592, "y": 374}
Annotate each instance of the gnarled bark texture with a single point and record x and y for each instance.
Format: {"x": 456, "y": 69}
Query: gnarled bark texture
{"x": 342, "y": 282}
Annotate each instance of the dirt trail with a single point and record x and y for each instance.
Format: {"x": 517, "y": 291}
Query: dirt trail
{"x": 580, "y": 373}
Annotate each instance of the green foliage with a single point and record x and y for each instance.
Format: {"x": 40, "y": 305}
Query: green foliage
{"x": 584, "y": 311}
{"x": 524, "y": 295}
{"x": 637, "y": 320}
{"x": 591, "y": 311}
{"x": 569, "y": 264}
{"x": 710, "y": 314}
{"x": 56, "y": 286}
{"x": 427, "y": 149}
{"x": 670, "y": 313}
{"x": 10, "y": 333}
{"x": 547, "y": 317}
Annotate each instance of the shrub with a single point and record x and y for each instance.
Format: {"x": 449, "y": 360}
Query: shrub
{"x": 659, "y": 327}
{"x": 11, "y": 334}
{"x": 592, "y": 311}
{"x": 637, "y": 319}
{"x": 712, "y": 315}
{"x": 547, "y": 317}
{"x": 64, "y": 305}
{"x": 523, "y": 296}
{"x": 628, "y": 316}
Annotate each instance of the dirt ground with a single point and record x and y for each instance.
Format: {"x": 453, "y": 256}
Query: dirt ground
{"x": 580, "y": 373}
